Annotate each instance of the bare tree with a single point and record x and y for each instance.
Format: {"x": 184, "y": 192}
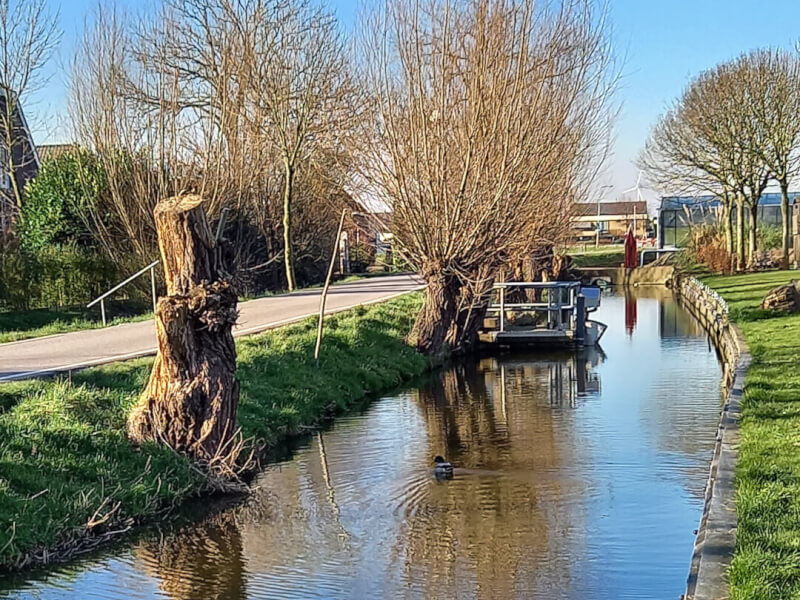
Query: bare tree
{"x": 712, "y": 140}
{"x": 29, "y": 36}
{"x": 302, "y": 92}
{"x": 484, "y": 109}
{"x": 776, "y": 107}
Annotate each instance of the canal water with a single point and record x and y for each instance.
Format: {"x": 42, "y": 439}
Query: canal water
{"x": 577, "y": 476}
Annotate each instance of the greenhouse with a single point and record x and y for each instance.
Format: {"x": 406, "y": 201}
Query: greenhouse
{"x": 677, "y": 214}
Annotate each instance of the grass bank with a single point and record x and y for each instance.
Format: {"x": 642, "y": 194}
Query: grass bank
{"x": 22, "y": 325}
{"x": 766, "y": 564}
{"x": 69, "y": 477}
{"x": 602, "y": 256}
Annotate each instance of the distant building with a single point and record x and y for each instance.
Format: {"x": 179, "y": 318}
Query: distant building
{"x": 24, "y": 157}
{"x": 611, "y": 219}
{"x": 48, "y": 152}
{"x": 677, "y": 214}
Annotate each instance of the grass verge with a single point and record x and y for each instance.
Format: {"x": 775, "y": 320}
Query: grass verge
{"x": 603, "y": 256}
{"x": 766, "y": 564}
{"x": 23, "y": 325}
{"x": 69, "y": 477}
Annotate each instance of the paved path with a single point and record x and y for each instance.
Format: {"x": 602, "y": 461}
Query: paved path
{"x": 79, "y": 349}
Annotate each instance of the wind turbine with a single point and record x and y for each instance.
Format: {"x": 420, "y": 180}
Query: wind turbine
{"x": 639, "y": 197}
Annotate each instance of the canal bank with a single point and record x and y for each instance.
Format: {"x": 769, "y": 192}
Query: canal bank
{"x": 565, "y": 462}
{"x": 70, "y": 480}
{"x": 765, "y": 563}
{"x": 716, "y": 536}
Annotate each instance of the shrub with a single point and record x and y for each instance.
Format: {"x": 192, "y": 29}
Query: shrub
{"x": 57, "y": 201}
{"x": 769, "y": 237}
{"x": 56, "y": 261}
{"x": 707, "y": 246}
{"x": 54, "y": 276}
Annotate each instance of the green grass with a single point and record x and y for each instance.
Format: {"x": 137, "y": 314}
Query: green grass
{"x": 22, "y": 325}
{"x": 766, "y": 564}
{"x": 602, "y": 256}
{"x": 64, "y": 457}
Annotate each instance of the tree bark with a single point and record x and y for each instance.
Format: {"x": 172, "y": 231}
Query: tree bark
{"x": 728, "y": 224}
{"x": 191, "y": 400}
{"x": 472, "y": 306}
{"x": 740, "y": 264}
{"x": 288, "y": 252}
{"x": 786, "y": 222}
{"x": 439, "y": 310}
{"x": 753, "y": 226}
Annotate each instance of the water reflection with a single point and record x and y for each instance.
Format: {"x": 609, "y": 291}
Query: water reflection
{"x": 204, "y": 561}
{"x": 630, "y": 312}
{"x": 567, "y": 467}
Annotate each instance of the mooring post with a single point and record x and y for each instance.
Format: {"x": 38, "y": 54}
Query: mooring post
{"x": 580, "y": 316}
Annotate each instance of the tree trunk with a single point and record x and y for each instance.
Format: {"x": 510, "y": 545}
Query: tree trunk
{"x": 191, "y": 400}
{"x": 786, "y": 222}
{"x": 472, "y": 305}
{"x": 753, "y": 247}
{"x": 288, "y": 252}
{"x": 740, "y": 264}
{"x": 728, "y": 225}
{"x": 439, "y": 310}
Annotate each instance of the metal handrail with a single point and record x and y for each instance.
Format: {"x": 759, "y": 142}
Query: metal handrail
{"x": 536, "y": 284}
{"x": 101, "y": 299}
{"x": 657, "y": 252}
{"x": 557, "y": 307}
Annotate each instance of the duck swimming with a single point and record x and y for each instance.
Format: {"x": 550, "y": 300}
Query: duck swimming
{"x": 442, "y": 469}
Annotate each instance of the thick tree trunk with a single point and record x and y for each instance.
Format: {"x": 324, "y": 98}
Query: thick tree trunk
{"x": 439, "y": 310}
{"x": 191, "y": 400}
{"x": 753, "y": 226}
{"x": 472, "y": 305}
{"x": 288, "y": 251}
{"x": 786, "y": 222}
{"x": 740, "y": 264}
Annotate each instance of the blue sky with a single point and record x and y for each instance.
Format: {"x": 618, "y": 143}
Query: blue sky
{"x": 663, "y": 44}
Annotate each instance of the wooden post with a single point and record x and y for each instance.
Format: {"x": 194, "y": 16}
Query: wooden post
{"x": 323, "y": 298}
{"x": 502, "y": 308}
{"x": 153, "y": 287}
{"x": 191, "y": 400}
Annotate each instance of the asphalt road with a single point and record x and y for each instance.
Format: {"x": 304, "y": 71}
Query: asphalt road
{"x": 79, "y": 349}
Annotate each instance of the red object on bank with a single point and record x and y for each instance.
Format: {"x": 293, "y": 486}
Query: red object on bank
{"x": 630, "y": 249}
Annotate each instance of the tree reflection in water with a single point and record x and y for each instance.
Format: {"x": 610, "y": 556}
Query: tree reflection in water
{"x": 198, "y": 561}
{"x": 497, "y": 526}
{"x": 558, "y": 478}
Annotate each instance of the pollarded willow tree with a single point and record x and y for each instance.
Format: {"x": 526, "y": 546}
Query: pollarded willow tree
{"x": 487, "y": 113}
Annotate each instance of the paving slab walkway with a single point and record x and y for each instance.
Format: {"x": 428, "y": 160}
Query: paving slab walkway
{"x": 80, "y": 349}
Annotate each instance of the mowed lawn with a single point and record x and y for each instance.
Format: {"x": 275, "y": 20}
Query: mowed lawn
{"x": 767, "y": 559}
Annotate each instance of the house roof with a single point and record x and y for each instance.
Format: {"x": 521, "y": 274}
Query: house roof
{"x": 623, "y": 209}
{"x": 51, "y": 151}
